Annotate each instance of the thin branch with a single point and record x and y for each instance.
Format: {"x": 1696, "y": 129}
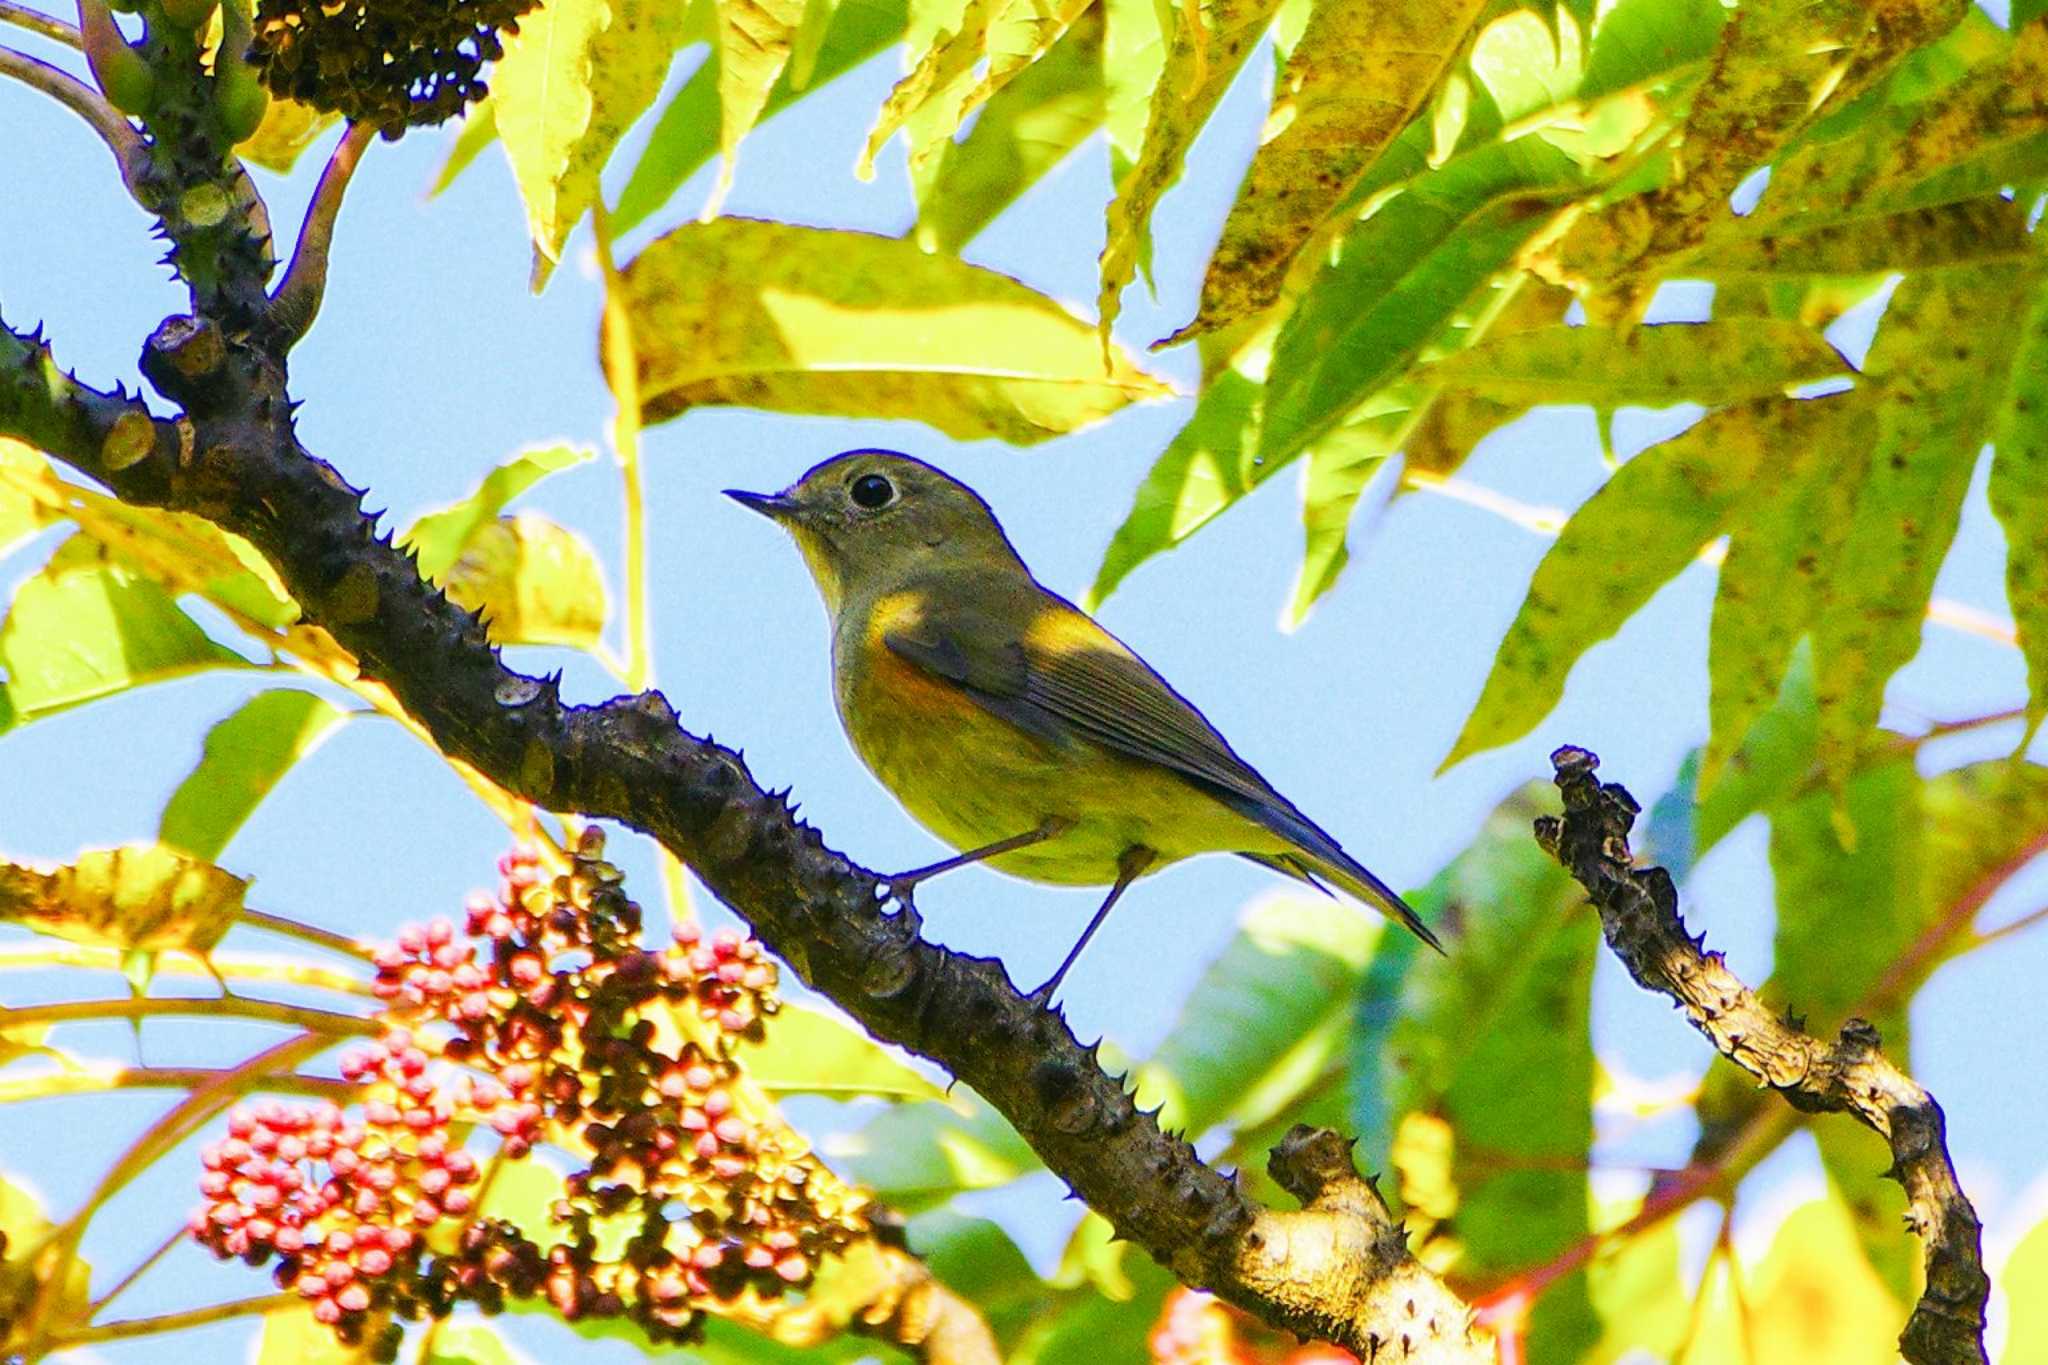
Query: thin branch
{"x": 305, "y": 933}
{"x": 170, "y": 1322}
{"x": 1639, "y": 914}
{"x": 45, "y": 25}
{"x": 296, "y": 301}
{"x": 81, "y": 99}
{"x": 2011, "y": 927}
{"x": 164, "y": 1248}
{"x": 210, "y": 1007}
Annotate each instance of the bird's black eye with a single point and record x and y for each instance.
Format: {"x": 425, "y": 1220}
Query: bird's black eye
{"x": 873, "y": 491}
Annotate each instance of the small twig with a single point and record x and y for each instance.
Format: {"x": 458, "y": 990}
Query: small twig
{"x": 2018, "y": 926}
{"x": 296, "y": 300}
{"x": 210, "y": 1007}
{"x": 35, "y": 21}
{"x": 1639, "y": 915}
{"x": 306, "y": 933}
{"x": 170, "y": 1322}
{"x": 81, "y": 99}
{"x": 164, "y": 1248}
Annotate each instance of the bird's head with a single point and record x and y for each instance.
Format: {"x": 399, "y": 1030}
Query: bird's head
{"x": 868, "y": 520}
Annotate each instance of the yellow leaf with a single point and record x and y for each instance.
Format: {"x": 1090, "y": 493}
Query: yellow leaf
{"x": 755, "y": 38}
{"x": 987, "y": 46}
{"x": 573, "y": 79}
{"x": 1361, "y": 71}
{"x": 142, "y": 897}
{"x": 536, "y": 582}
{"x": 1704, "y": 362}
{"x": 1200, "y": 65}
{"x": 796, "y": 319}
{"x": 1973, "y": 232}
{"x": 287, "y": 129}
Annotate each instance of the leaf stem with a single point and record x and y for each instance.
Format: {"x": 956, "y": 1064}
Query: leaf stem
{"x": 235, "y": 966}
{"x": 311, "y": 1020}
{"x": 81, "y": 99}
{"x": 44, "y": 25}
{"x": 296, "y": 300}
{"x": 308, "y": 933}
{"x": 170, "y": 1322}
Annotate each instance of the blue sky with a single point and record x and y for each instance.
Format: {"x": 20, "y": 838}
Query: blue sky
{"x": 431, "y": 361}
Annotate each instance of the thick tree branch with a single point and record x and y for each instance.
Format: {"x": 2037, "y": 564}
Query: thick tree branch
{"x": 1639, "y": 913}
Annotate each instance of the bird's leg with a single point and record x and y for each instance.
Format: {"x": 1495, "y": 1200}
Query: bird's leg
{"x": 904, "y": 883}
{"x": 1129, "y": 868}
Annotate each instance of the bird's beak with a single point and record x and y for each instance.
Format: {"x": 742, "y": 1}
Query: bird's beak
{"x": 775, "y": 506}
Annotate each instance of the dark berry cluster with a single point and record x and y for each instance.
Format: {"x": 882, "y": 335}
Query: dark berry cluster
{"x": 545, "y": 1021}
{"x": 385, "y": 62}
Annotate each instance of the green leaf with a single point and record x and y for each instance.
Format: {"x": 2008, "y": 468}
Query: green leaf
{"x": 469, "y": 1343}
{"x": 1940, "y": 336}
{"x": 1641, "y": 1298}
{"x": 536, "y": 582}
{"x": 976, "y": 1259}
{"x": 1328, "y": 137}
{"x": 437, "y": 539}
{"x": 1397, "y": 280}
{"x": 143, "y": 897}
{"x": 479, "y": 130}
{"x": 575, "y": 76}
{"x": 1028, "y": 128}
{"x": 687, "y": 133}
{"x": 1655, "y": 366}
{"x": 917, "y": 1156}
{"x": 1510, "y": 1000}
{"x": 1208, "y": 465}
{"x": 1200, "y": 65}
{"x": 1265, "y": 1018}
{"x": 86, "y": 627}
{"x": 1339, "y": 468}
{"x": 1782, "y": 548}
{"x": 1648, "y": 522}
{"x": 2019, "y": 495}
{"x": 2025, "y": 1281}
{"x": 807, "y": 1052}
{"x": 245, "y": 756}
{"x": 980, "y": 47}
{"x": 807, "y": 320}
{"x": 1972, "y": 232}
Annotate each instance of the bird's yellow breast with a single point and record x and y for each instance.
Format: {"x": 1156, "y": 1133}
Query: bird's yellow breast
{"x": 972, "y": 777}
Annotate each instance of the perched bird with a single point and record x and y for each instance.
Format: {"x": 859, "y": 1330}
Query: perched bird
{"x": 1006, "y": 720}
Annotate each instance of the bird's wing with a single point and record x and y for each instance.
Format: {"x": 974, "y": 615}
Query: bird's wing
{"x": 1066, "y": 678}
{"x": 1062, "y": 677}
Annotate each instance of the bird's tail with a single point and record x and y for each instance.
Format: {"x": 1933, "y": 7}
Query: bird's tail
{"x": 1350, "y": 876}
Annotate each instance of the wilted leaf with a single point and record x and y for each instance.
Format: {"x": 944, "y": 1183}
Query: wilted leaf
{"x": 246, "y": 755}
{"x": 1973, "y": 232}
{"x": 1782, "y": 546}
{"x": 687, "y": 133}
{"x": 1654, "y": 366}
{"x": 797, "y": 319}
{"x": 1450, "y": 430}
{"x": 1359, "y": 74}
{"x": 573, "y": 79}
{"x": 437, "y": 538}
{"x": 1028, "y": 128}
{"x": 1266, "y": 1017}
{"x": 1209, "y": 465}
{"x": 144, "y": 897}
{"x": 1200, "y": 64}
{"x": 536, "y": 582}
{"x": 1511, "y": 1000}
{"x": 807, "y": 1052}
{"x": 1940, "y": 336}
{"x": 287, "y": 129}
{"x": 2019, "y": 494}
{"x": 980, "y": 47}
{"x": 1648, "y": 522}
{"x": 87, "y": 626}
{"x": 918, "y": 1156}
